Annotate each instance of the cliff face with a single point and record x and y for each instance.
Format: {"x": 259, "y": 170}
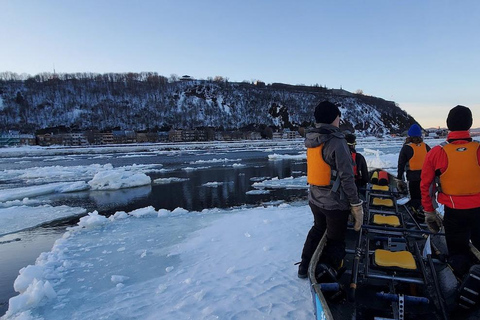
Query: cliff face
{"x": 105, "y": 102}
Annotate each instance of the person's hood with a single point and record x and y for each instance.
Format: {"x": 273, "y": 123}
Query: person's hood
{"x": 459, "y": 135}
{"x": 321, "y": 134}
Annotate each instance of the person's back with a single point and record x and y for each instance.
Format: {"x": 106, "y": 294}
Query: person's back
{"x": 453, "y": 168}
{"x": 332, "y": 191}
{"x": 360, "y": 169}
{"x": 410, "y": 161}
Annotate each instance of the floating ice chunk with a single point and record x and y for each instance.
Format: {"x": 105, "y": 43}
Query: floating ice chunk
{"x": 275, "y": 156}
{"x": 34, "y": 191}
{"x": 257, "y": 192}
{"x": 118, "y": 278}
{"x": 212, "y": 184}
{"x": 92, "y": 220}
{"x": 169, "y": 180}
{"x": 37, "y": 291}
{"x": 26, "y": 277}
{"x": 118, "y": 179}
{"x": 148, "y": 211}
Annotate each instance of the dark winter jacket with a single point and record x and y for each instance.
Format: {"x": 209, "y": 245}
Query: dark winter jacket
{"x": 336, "y": 154}
{"x": 406, "y": 153}
{"x": 361, "y": 178}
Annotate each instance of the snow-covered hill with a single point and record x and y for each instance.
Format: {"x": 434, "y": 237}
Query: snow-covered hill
{"x": 148, "y": 101}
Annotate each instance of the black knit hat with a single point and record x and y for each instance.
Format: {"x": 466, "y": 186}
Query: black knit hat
{"x": 459, "y": 119}
{"x": 350, "y": 137}
{"x": 326, "y": 112}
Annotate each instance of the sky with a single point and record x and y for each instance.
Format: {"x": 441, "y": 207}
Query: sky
{"x": 234, "y": 263}
{"x": 424, "y": 55}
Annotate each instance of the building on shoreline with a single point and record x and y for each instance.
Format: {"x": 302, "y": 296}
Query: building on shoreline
{"x": 95, "y": 137}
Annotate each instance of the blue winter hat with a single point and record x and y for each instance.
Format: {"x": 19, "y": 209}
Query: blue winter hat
{"x": 415, "y": 131}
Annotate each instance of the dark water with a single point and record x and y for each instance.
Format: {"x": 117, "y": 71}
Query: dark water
{"x": 22, "y": 248}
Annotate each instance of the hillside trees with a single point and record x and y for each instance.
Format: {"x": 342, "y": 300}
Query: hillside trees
{"x": 140, "y": 101}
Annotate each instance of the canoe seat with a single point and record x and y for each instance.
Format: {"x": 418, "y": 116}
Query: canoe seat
{"x": 383, "y": 178}
{"x": 379, "y": 187}
{"x": 382, "y": 202}
{"x": 399, "y": 259}
{"x": 374, "y": 178}
{"x": 392, "y": 220}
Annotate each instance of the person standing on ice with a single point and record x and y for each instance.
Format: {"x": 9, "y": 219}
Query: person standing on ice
{"x": 410, "y": 161}
{"x": 453, "y": 167}
{"x": 360, "y": 169}
{"x": 332, "y": 192}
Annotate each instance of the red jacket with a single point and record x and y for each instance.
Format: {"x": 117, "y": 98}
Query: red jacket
{"x": 437, "y": 160}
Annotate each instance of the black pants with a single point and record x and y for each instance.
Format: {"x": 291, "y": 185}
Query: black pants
{"x": 334, "y": 222}
{"x": 461, "y": 226}
{"x": 415, "y": 194}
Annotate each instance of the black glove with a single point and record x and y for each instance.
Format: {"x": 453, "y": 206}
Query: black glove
{"x": 433, "y": 221}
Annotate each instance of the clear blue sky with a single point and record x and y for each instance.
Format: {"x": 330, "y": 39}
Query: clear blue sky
{"x": 424, "y": 55}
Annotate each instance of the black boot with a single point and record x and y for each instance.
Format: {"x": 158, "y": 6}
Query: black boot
{"x": 302, "y": 270}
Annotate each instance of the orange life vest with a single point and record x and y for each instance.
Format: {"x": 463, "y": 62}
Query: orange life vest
{"x": 462, "y": 176}
{"x": 419, "y": 154}
{"x": 319, "y": 172}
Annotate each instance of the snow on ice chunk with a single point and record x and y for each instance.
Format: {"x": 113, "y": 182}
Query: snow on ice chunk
{"x": 169, "y": 180}
{"x": 24, "y": 201}
{"x": 180, "y": 210}
{"x": 193, "y": 169}
{"x": 118, "y": 278}
{"x": 257, "y": 192}
{"x": 258, "y": 179}
{"x": 13, "y": 219}
{"x": 163, "y": 212}
{"x": 34, "y": 191}
{"x": 138, "y": 155}
{"x": 119, "y": 215}
{"x": 287, "y": 183}
{"x": 302, "y": 156}
{"x": 376, "y": 159}
{"x": 212, "y": 184}
{"x": 54, "y": 173}
{"x": 36, "y": 292}
{"x": 118, "y": 179}
{"x": 50, "y": 174}
{"x": 238, "y": 165}
{"x": 26, "y": 276}
{"x": 214, "y": 160}
{"x": 92, "y": 220}
{"x": 148, "y": 211}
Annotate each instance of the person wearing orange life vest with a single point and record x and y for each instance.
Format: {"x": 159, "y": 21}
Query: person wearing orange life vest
{"x": 360, "y": 169}
{"x": 332, "y": 192}
{"x": 453, "y": 168}
{"x": 410, "y": 161}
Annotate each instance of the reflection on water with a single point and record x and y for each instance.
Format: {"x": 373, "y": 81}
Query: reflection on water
{"x": 109, "y": 199}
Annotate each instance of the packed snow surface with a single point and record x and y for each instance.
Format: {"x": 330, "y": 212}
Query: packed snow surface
{"x": 148, "y": 264}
